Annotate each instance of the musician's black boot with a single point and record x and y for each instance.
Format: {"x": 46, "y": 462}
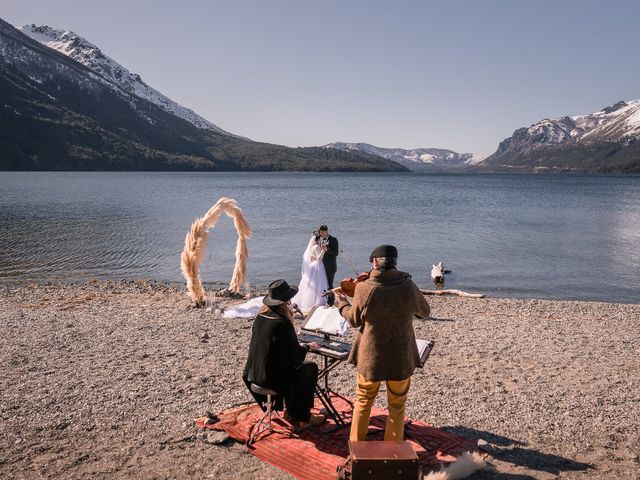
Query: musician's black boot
{"x": 287, "y": 416}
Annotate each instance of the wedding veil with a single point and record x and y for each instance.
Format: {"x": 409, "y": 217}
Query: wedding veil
{"x": 314, "y": 279}
{"x": 306, "y": 256}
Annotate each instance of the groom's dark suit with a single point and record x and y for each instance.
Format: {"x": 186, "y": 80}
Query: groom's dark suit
{"x": 329, "y": 259}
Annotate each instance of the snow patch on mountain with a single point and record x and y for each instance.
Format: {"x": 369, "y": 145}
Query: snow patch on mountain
{"x": 633, "y": 120}
{"x": 475, "y": 159}
{"x": 616, "y": 122}
{"x": 89, "y": 55}
{"x": 613, "y": 123}
{"x": 417, "y": 159}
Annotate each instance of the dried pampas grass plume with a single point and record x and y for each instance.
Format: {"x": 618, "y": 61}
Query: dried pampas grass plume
{"x": 464, "y": 465}
{"x": 196, "y": 241}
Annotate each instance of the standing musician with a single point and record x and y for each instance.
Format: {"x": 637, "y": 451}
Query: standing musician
{"x": 276, "y": 359}
{"x": 384, "y": 349}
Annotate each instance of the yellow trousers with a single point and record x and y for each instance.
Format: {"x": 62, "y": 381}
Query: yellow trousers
{"x": 366, "y": 393}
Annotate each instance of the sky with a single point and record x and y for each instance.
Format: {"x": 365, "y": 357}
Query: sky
{"x": 461, "y": 75}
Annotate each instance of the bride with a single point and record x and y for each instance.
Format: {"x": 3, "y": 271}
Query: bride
{"x": 314, "y": 277}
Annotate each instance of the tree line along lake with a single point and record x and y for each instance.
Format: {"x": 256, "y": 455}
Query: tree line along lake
{"x": 507, "y": 235}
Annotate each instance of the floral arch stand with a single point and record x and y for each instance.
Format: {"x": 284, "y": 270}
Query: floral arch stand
{"x": 196, "y": 241}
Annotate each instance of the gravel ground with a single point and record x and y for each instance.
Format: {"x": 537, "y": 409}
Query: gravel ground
{"x": 104, "y": 379}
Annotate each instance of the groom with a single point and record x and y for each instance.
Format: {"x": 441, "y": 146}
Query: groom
{"x": 330, "y": 247}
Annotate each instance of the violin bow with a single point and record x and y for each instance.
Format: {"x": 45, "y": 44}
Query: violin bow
{"x": 346, "y": 257}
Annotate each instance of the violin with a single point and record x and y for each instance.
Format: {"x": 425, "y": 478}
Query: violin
{"x": 348, "y": 285}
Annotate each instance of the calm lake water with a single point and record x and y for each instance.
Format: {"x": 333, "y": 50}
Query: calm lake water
{"x": 545, "y": 236}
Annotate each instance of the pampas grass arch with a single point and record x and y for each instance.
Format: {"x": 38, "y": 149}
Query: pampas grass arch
{"x": 196, "y": 241}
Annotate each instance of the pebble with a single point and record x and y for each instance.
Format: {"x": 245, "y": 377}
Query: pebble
{"x": 485, "y": 446}
{"x": 217, "y": 437}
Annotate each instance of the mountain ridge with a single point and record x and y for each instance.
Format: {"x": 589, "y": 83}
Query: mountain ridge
{"x": 415, "y": 159}
{"x": 605, "y": 141}
{"x": 58, "y": 114}
{"x": 64, "y": 104}
{"x": 88, "y": 54}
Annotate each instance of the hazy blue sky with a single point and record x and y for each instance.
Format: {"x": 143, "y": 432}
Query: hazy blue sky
{"x": 450, "y": 74}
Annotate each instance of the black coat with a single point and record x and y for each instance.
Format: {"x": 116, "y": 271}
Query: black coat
{"x": 329, "y": 258}
{"x": 274, "y": 353}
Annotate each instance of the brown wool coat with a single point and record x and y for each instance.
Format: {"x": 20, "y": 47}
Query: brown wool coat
{"x": 383, "y": 309}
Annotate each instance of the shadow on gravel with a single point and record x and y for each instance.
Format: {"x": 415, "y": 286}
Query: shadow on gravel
{"x": 512, "y": 451}
{"x": 491, "y": 475}
{"x": 492, "y": 438}
{"x": 433, "y": 319}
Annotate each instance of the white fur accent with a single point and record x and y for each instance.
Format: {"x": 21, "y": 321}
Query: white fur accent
{"x": 465, "y": 465}
{"x": 437, "y": 270}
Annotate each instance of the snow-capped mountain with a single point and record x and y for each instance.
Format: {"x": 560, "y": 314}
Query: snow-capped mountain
{"x": 59, "y": 114}
{"x": 89, "y": 55}
{"x": 605, "y": 141}
{"x": 417, "y": 159}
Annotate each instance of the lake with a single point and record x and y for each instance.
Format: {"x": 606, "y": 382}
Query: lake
{"x": 542, "y": 236}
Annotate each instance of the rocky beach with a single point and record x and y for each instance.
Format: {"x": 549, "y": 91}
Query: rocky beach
{"x": 104, "y": 380}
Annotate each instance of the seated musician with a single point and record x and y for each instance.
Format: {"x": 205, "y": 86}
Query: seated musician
{"x": 276, "y": 358}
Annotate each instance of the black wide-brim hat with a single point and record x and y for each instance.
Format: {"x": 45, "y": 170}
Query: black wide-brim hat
{"x": 279, "y": 293}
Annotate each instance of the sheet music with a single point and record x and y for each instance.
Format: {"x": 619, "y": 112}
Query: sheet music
{"x": 424, "y": 349}
{"x": 327, "y": 320}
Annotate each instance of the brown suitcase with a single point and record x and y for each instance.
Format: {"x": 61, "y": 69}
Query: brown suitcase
{"x": 378, "y": 460}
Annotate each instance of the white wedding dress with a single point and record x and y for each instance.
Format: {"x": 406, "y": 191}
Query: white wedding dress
{"x": 314, "y": 279}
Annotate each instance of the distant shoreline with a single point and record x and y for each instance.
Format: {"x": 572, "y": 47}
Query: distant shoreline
{"x": 211, "y": 287}
{"x": 356, "y": 172}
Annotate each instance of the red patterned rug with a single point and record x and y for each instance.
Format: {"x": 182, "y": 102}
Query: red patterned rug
{"x": 315, "y": 452}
